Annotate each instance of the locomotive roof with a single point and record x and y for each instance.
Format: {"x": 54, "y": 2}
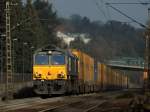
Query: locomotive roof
{"x": 67, "y": 52}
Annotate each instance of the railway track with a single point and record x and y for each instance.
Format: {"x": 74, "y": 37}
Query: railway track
{"x": 82, "y": 103}
{"x": 31, "y": 103}
{"x": 88, "y": 108}
{"x": 102, "y": 106}
{"x": 15, "y": 105}
{"x": 75, "y": 107}
{"x": 97, "y": 104}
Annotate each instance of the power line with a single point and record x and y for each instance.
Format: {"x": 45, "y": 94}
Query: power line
{"x": 108, "y": 12}
{"x": 142, "y": 2}
{"x": 132, "y": 19}
{"x": 132, "y": 3}
{"x": 100, "y": 9}
{"x": 108, "y": 15}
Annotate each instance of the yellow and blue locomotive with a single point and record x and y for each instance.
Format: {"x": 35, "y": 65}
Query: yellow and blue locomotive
{"x": 58, "y": 71}
{"x": 55, "y": 72}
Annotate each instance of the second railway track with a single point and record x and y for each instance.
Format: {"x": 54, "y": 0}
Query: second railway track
{"x": 75, "y": 107}
{"x": 81, "y": 103}
{"x": 34, "y": 104}
{"x": 97, "y": 104}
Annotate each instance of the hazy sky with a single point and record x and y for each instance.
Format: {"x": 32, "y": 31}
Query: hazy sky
{"x": 88, "y": 8}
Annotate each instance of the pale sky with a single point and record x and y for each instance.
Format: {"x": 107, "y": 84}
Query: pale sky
{"x": 88, "y": 8}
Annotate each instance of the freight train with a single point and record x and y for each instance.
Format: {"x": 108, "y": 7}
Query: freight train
{"x": 57, "y": 71}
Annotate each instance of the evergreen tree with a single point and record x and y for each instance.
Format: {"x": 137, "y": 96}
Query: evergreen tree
{"x": 35, "y": 34}
{"x": 48, "y": 19}
{"x": 17, "y": 33}
{"x": 27, "y": 27}
{"x": 16, "y": 19}
{"x": 108, "y": 40}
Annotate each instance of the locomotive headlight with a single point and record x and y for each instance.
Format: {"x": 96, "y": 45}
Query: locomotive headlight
{"x": 37, "y": 75}
{"x": 40, "y": 75}
{"x": 49, "y": 52}
{"x": 61, "y": 75}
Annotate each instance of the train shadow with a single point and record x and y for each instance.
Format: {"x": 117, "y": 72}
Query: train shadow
{"x": 26, "y": 92}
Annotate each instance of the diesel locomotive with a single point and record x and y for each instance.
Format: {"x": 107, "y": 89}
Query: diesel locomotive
{"x": 57, "y": 71}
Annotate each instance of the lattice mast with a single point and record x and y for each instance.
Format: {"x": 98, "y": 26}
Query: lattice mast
{"x": 2, "y": 38}
{"x": 9, "y": 74}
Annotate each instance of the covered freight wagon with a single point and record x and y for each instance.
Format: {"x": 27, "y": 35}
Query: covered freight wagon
{"x": 85, "y": 71}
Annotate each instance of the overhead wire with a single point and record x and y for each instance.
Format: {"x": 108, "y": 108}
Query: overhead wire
{"x": 103, "y": 3}
{"x": 142, "y": 3}
{"x": 131, "y": 18}
{"x": 101, "y": 11}
{"x": 108, "y": 12}
{"x": 133, "y": 3}
{"x": 107, "y": 17}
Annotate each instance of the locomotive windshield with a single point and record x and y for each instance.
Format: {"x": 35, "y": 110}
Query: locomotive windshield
{"x": 58, "y": 59}
{"x": 41, "y": 59}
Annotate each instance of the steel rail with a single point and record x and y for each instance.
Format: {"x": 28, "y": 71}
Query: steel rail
{"x": 57, "y": 107}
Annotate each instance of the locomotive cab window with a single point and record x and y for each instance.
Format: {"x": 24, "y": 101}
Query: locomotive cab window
{"x": 41, "y": 59}
{"x": 58, "y": 59}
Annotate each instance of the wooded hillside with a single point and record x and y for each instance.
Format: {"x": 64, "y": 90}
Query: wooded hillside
{"x": 109, "y": 40}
